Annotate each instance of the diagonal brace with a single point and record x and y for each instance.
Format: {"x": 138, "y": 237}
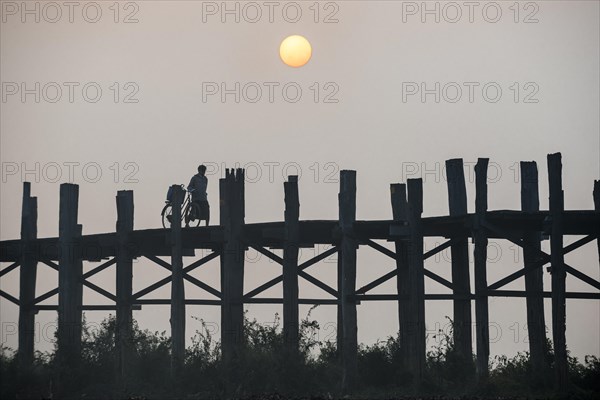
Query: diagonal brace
{"x": 301, "y": 267}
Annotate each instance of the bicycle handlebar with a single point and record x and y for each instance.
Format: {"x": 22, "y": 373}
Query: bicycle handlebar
{"x": 185, "y": 188}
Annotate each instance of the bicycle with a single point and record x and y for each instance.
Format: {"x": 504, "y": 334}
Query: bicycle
{"x": 189, "y": 209}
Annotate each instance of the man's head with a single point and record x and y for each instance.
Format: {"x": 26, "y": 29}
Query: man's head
{"x": 202, "y": 169}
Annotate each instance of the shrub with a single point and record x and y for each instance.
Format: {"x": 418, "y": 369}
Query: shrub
{"x": 265, "y": 366}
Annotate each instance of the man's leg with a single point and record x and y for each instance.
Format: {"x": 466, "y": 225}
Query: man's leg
{"x": 193, "y": 208}
{"x": 206, "y": 211}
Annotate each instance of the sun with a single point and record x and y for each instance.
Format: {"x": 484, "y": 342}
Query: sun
{"x": 295, "y": 51}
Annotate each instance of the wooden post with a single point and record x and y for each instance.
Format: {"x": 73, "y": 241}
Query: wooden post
{"x": 231, "y": 190}
{"x": 480, "y": 255}
{"x": 70, "y": 288}
{"x": 123, "y": 334}
{"x": 457, "y": 201}
{"x": 340, "y": 317}
{"x": 27, "y": 278}
{"x": 290, "y": 265}
{"x": 416, "y": 279}
{"x": 534, "y": 286}
{"x": 399, "y": 213}
{"x": 558, "y": 271}
{"x": 177, "y": 288}
{"x": 597, "y": 208}
{"x": 347, "y": 216}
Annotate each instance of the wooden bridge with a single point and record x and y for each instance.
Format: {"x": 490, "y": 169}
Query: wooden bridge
{"x": 229, "y": 240}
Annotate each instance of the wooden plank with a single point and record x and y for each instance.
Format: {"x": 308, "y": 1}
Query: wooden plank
{"x": 11, "y": 267}
{"x": 581, "y": 276}
{"x": 457, "y": 202}
{"x": 202, "y": 285}
{"x": 124, "y": 277}
{"x": 548, "y": 295}
{"x": 99, "y": 290}
{"x": 480, "y": 258}
{"x": 435, "y": 277}
{"x": 399, "y": 214}
{"x": 373, "y": 284}
{"x": 9, "y": 297}
{"x": 320, "y": 284}
{"x": 70, "y": 289}
{"x": 45, "y": 296}
{"x": 89, "y": 307}
{"x": 431, "y": 296}
{"x": 27, "y": 279}
{"x": 231, "y": 191}
{"x": 266, "y": 253}
{"x": 290, "y": 265}
{"x": 558, "y": 272}
{"x": 439, "y": 249}
{"x": 177, "y": 288}
{"x": 347, "y": 216}
{"x": 50, "y": 264}
{"x": 416, "y": 279}
{"x": 534, "y": 286}
{"x": 152, "y": 241}
{"x": 378, "y": 247}
{"x": 99, "y": 268}
{"x": 270, "y": 300}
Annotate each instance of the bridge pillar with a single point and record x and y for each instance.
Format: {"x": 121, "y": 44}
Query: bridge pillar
{"x": 461, "y": 281}
{"x": 123, "y": 334}
{"x": 27, "y": 279}
{"x": 399, "y": 213}
{"x": 340, "y": 318}
{"x": 534, "y": 286}
{"x": 558, "y": 271}
{"x": 596, "y": 194}
{"x": 177, "y": 288}
{"x": 231, "y": 191}
{"x": 349, "y": 244}
{"x": 70, "y": 289}
{"x": 290, "y": 265}
{"x": 416, "y": 278}
{"x": 480, "y": 256}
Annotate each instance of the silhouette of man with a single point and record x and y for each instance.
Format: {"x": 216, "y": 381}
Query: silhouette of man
{"x": 197, "y": 186}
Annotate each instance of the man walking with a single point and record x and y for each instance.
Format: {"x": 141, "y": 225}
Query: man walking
{"x": 197, "y": 186}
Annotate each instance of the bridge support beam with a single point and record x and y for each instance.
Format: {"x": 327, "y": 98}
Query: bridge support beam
{"x": 231, "y": 191}
{"x": 596, "y": 194}
{"x": 534, "y": 285}
{"x": 480, "y": 256}
{"x": 70, "y": 289}
{"x": 290, "y": 265}
{"x": 349, "y": 244}
{"x": 27, "y": 279}
{"x": 457, "y": 201}
{"x": 177, "y": 288}
{"x": 340, "y": 318}
{"x": 558, "y": 272}
{"x": 123, "y": 334}
{"x": 399, "y": 213}
{"x": 416, "y": 279}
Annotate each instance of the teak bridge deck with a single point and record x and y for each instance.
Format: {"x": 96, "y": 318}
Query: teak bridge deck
{"x": 233, "y": 237}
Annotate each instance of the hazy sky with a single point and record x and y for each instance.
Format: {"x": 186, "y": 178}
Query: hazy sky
{"x": 389, "y": 91}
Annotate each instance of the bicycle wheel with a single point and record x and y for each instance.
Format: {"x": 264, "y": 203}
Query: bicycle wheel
{"x": 166, "y": 213}
{"x": 194, "y": 210}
